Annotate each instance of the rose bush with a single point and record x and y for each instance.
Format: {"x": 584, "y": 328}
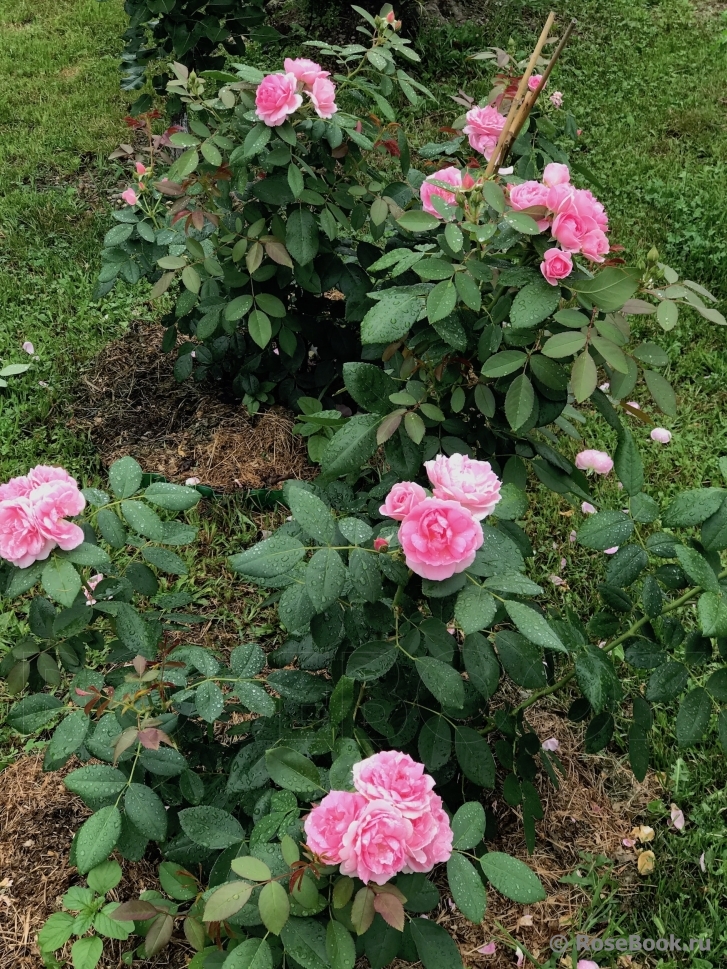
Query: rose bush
{"x": 311, "y": 824}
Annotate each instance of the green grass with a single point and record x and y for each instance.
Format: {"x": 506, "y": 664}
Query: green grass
{"x": 61, "y": 115}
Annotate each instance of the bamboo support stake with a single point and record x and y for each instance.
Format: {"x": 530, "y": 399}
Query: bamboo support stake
{"x": 532, "y": 96}
{"x": 519, "y": 97}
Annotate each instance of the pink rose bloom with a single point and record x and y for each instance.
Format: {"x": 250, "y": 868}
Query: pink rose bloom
{"x": 19, "y": 487}
{"x": 439, "y": 538}
{"x": 431, "y": 840}
{"x": 556, "y": 265}
{"x": 556, "y": 174}
{"x": 374, "y": 846}
{"x": 483, "y": 129}
{"x": 556, "y": 99}
{"x": 277, "y": 97}
{"x": 589, "y": 206}
{"x": 452, "y": 176}
{"x": 130, "y": 196}
{"x": 329, "y": 821}
{"x": 51, "y": 503}
{"x": 43, "y": 473}
{"x": 534, "y": 82}
{"x": 322, "y": 94}
{"x": 472, "y": 483}
{"x": 660, "y": 435}
{"x": 397, "y": 778}
{"x": 592, "y": 460}
{"x": 401, "y": 499}
{"x": 527, "y": 195}
{"x": 140, "y": 169}
{"x": 570, "y": 230}
{"x": 21, "y": 539}
{"x": 587, "y": 508}
{"x": 306, "y": 71}
{"x": 561, "y": 198}
{"x": 595, "y": 245}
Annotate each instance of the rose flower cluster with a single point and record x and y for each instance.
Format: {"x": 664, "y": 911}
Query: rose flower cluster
{"x": 33, "y": 511}
{"x": 576, "y": 219}
{"x": 279, "y": 95}
{"x": 392, "y": 823}
{"x": 440, "y": 535}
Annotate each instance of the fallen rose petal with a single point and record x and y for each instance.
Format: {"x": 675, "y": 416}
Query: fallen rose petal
{"x": 526, "y": 921}
{"x": 646, "y": 862}
{"x": 587, "y": 964}
{"x": 556, "y": 580}
{"x": 29, "y": 348}
{"x": 488, "y": 950}
{"x": 520, "y": 956}
{"x": 610, "y": 551}
{"x": 552, "y": 744}
{"x": 628, "y": 842}
{"x": 587, "y": 508}
{"x": 701, "y": 862}
{"x": 573, "y": 536}
{"x": 191, "y": 482}
{"x": 660, "y": 435}
{"x": 677, "y": 817}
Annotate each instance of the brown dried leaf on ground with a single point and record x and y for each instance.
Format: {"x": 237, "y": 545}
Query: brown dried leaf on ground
{"x": 38, "y": 818}
{"x": 130, "y": 403}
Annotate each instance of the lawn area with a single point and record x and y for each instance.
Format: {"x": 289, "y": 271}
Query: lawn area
{"x": 646, "y": 82}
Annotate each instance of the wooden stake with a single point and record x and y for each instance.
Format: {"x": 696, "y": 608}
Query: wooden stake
{"x": 532, "y": 96}
{"x": 519, "y": 97}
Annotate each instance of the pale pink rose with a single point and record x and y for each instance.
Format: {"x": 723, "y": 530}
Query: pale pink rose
{"x": 527, "y": 195}
{"x": 140, "y": 169}
{"x": 556, "y": 99}
{"x": 677, "y": 817}
{"x": 592, "y": 460}
{"x": 556, "y": 174}
{"x": 587, "y": 964}
{"x": 373, "y": 847}
{"x": 277, "y": 97}
{"x": 589, "y": 206}
{"x": 660, "y": 435}
{"x": 21, "y": 540}
{"x": 306, "y": 71}
{"x": 19, "y": 487}
{"x": 52, "y": 502}
{"x": 29, "y": 348}
{"x": 91, "y": 584}
{"x": 439, "y": 538}
{"x": 552, "y": 744}
{"x": 595, "y": 245}
{"x": 571, "y": 229}
{"x": 379, "y": 544}
{"x": 483, "y": 129}
{"x": 460, "y": 478}
{"x": 534, "y": 81}
{"x": 328, "y": 822}
{"x": 395, "y": 777}
{"x": 452, "y": 176}
{"x": 130, "y": 196}
{"x": 556, "y": 265}
{"x": 488, "y": 950}
{"x": 561, "y": 198}
{"x": 431, "y": 841}
{"x": 43, "y": 473}
{"x": 610, "y": 551}
{"x": 323, "y": 93}
{"x": 587, "y": 508}
{"x": 400, "y": 501}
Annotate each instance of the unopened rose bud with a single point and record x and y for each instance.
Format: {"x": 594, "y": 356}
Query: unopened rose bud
{"x": 652, "y": 256}
{"x": 380, "y": 544}
{"x": 390, "y": 17}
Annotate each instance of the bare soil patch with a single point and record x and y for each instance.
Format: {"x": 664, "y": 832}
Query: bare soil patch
{"x": 129, "y": 403}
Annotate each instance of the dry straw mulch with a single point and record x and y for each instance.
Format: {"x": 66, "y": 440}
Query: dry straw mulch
{"x": 594, "y": 808}
{"x": 130, "y": 403}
